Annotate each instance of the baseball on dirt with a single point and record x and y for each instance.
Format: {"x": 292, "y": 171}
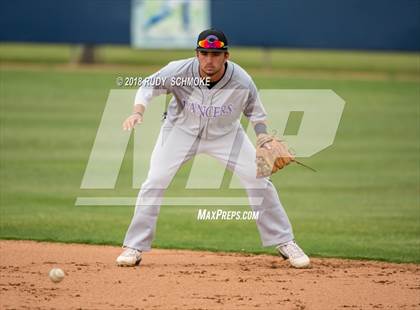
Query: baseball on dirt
{"x": 56, "y": 275}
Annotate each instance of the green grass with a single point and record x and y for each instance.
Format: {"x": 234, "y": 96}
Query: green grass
{"x": 251, "y": 58}
{"x": 363, "y": 202}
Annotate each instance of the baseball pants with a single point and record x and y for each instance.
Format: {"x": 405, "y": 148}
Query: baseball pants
{"x": 235, "y": 151}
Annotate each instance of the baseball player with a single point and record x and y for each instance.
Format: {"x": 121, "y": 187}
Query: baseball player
{"x": 205, "y": 119}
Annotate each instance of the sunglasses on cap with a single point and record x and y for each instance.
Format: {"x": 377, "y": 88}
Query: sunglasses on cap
{"x": 211, "y": 42}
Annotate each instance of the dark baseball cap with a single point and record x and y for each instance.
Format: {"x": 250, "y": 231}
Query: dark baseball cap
{"x": 212, "y": 40}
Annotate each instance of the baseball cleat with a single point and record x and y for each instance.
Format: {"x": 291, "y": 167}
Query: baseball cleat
{"x": 291, "y": 251}
{"x": 129, "y": 257}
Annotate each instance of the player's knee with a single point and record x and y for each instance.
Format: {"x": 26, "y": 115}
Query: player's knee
{"x": 254, "y": 183}
{"x": 156, "y": 182}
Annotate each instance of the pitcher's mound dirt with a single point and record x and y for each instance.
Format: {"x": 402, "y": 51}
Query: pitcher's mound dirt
{"x": 172, "y": 279}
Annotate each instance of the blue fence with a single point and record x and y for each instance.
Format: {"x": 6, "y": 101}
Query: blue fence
{"x": 350, "y": 24}
{"x": 66, "y": 21}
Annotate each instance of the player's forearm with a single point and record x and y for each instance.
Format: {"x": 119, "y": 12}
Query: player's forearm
{"x": 139, "y": 109}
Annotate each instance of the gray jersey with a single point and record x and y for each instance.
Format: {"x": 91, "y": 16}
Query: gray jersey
{"x": 197, "y": 110}
{"x": 214, "y": 116}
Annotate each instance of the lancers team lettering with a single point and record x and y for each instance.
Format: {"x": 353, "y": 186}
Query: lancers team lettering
{"x": 207, "y": 111}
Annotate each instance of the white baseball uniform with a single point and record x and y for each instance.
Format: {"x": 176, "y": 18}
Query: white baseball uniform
{"x": 205, "y": 121}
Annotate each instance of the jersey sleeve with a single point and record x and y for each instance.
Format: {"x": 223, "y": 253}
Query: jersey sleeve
{"x": 254, "y": 109}
{"x": 155, "y": 85}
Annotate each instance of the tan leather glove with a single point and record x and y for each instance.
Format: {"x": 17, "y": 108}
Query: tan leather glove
{"x": 272, "y": 155}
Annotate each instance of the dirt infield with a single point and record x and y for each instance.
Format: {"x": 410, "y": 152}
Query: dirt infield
{"x": 172, "y": 279}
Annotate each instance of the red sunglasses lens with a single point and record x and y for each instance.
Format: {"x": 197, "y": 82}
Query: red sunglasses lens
{"x": 207, "y": 44}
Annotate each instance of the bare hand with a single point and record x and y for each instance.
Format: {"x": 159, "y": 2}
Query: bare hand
{"x": 132, "y": 121}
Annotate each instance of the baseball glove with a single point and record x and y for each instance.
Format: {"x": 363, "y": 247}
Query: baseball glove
{"x": 272, "y": 155}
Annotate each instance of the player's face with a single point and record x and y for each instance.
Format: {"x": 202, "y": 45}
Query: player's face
{"x": 212, "y": 63}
